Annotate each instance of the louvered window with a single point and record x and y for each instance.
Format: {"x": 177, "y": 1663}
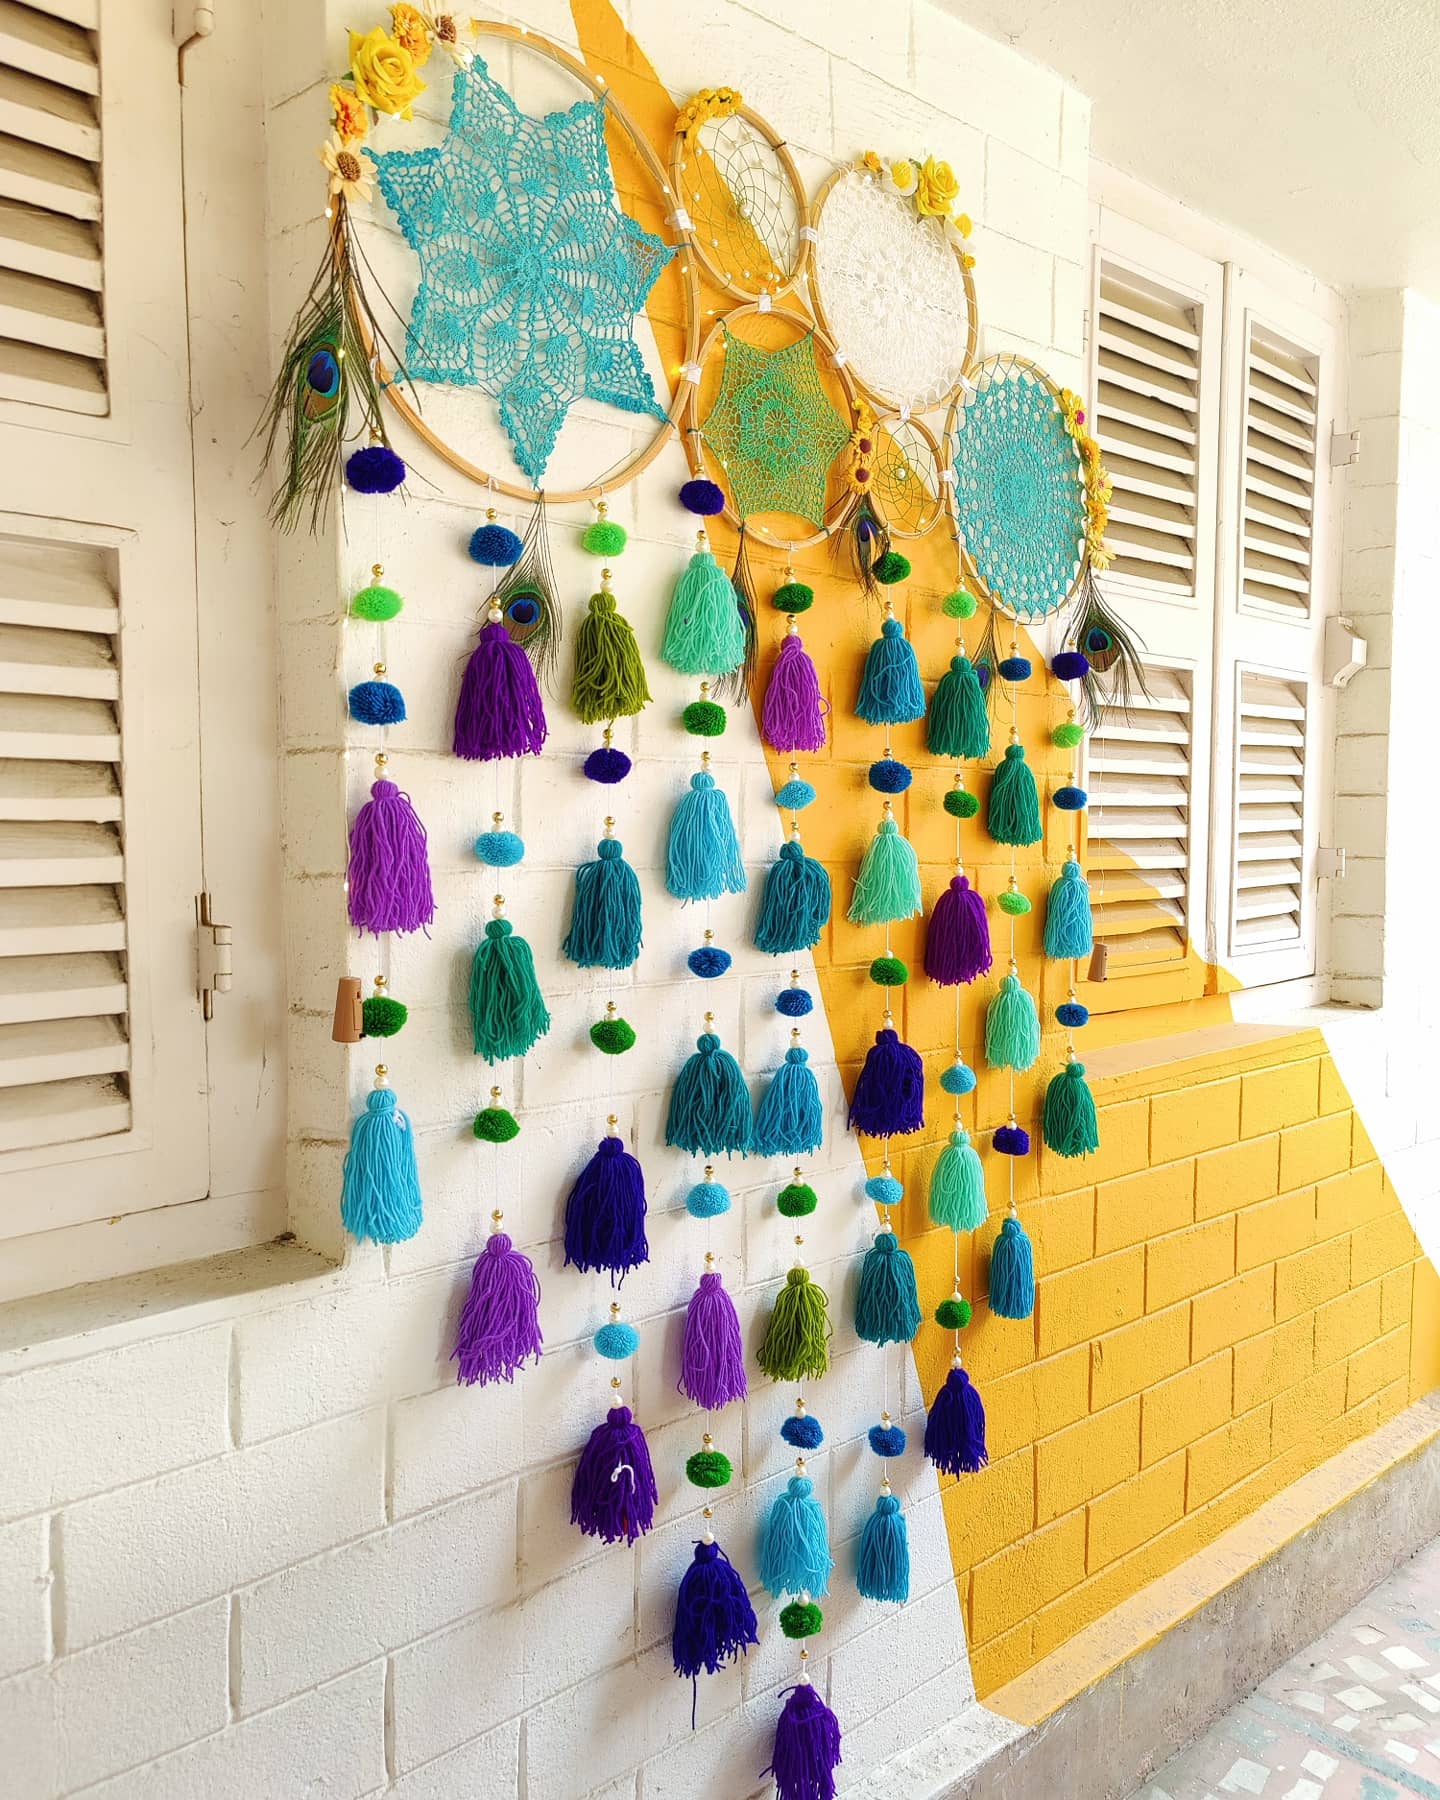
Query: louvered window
{"x": 1281, "y": 385}
{"x": 52, "y": 329}
{"x": 1267, "y": 908}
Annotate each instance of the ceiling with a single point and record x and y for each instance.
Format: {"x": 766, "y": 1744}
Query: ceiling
{"x": 1314, "y": 125}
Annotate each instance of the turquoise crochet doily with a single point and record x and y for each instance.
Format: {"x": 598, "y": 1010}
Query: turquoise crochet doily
{"x": 530, "y": 274}
{"x": 1020, "y": 494}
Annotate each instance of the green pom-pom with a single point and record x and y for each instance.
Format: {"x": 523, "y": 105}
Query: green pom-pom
{"x": 890, "y": 568}
{"x": 960, "y": 803}
{"x": 376, "y": 603}
{"x": 953, "y": 1314}
{"x": 889, "y": 971}
{"x": 958, "y": 605}
{"x": 793, "y": 597}
{"x": 703, "y": 718}
{"x": 801, "y": 1619}
{"x": 708, "y": 1469}
{"x": 796, "y": 1200}
{"x": 1067, "y": 736}
{"x": 383, "y": 1016}
{"x": 1012, "y": 901}
{"x": 604, "y": 538}
{"x": 613, "y": 1036}
{"x": 495, "y": 1126}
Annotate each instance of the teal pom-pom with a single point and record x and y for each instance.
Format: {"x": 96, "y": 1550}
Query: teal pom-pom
{"x": 884, "y": 1190}
{"x": 794, "y": 796}
{"x": 889, "y": 971}
{"x": 617, "y": 1340}
{"x": 707, "y": 1200}
{"x": 1068, "y": 1123}
{"x": 888, "y": 885}
{"x": 958, "y": 1079}
{"x": 793, "y": 597}
{"x": 708, "y": 1469}
{"x": 960, "y": 803}
{"x": 1012, "y": 901}
{"x": 1069, "y": 929}
{"x": 1014, "y": 815}
{"x": 382, "y": 1017}
{"x": 958, "y": 605}
{"x": 604, "y": 538}
{"x": 1012, "y": 1027}
{"x": 613, "y": 1036}
{"x": 1072, "y": 1015}
{"x": 704, "y": 718}
{"x": 494, "y": 1125}
{"x": 953, "y": 1314}
{"x": 890, "y": 688}
{"x": 501, "y": 849}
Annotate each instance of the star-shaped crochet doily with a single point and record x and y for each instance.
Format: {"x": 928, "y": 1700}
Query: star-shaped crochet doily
{"x": 774, "y": 429}
{"x": 530, "y": 274}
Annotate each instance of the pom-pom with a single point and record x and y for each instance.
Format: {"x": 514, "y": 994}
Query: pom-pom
{"x": 793, "y": 715}
{"x": 704, "y": 629}
{"x": 494, "y": 546}
{"x": 957, "y": 1185}
{"x": 1012, "y": 1140}
{"x": 795, "y": 903}
{"x": 887, "y": 1305}
{"x": 957, "y": 941}
{"x": 702, "y": 497}
{"x": 1012, "y": 1273}
{"x": 605, "y": 919}
{"x": 954, "y": 1314}
{"x": 1068, "y": 735}
{"x": 797, "y": 1336}
{"x": 889, "y": 1097}
{"x": 794, "y": 1002}
{"x": 788, "y": 1121}
{"x": 613, "y": 1495}
{"x": 882, "y": 1571}
{"x": 793, "y": 597}
{"x": 499, "y": 1328}
{"x": 704, "y": 718}
{"x": 708, "y": 962}
{"x": 807, "y": 1747}
{"x": 1013, "y": 902}
{"x": 376, "y": 603}
{"x": 495, "y": 1125}
{"x": 605, "y": 1213}
{"x": 712, "y": 1356}
{"x": 801, "y": 1619}
{"x": 702, "y": 855}
{"x": 714, "y": 1620}
{"x": 607, "y": 765}
{"x": 1012, "y": 1027}
{"x": 958, "y": 605}
{"x": 613, "y": 1036}
{"x": 1014, "y": 815}
{"x": 955, "y": 1428}
{"x": 890, "y": 567}
{"x": 958, "y": 1079}
{"x": 1069, "y": 665}
{"x": 957, "y": 723}
{"x": 1072, "y": 1015}
{"x": 708, "y": 1469}
{"x": 709, "y": 1103}
{"x": 888, "y": 885}
{"x": 616, "y": 1340}
{"x": 609, "y": 681}
{"x": 890, "y": 689}
{"x": 889, "y": 971}
{"x": 707, "y": 1200}
{"x": 884, "y": 1190}
{"x": 1071, "y": 799}
{"x": 960, "y": 803}
{"x": 380, "y": 1185}
{"x": 794, "y": 1544}
{"x": 500, "y": 849}
{"x": 796, "y": 1200}
{"x": 499, "y": 713}
{"x": 1069, "y": 929}
{"x": 889, "y": 776}
{"x": 802, "y": 1432}
{"x": 377, "y": 703}
{"x": 887, "y": 1440}
{"x": 1068, "y": 1123}
{"x": 388, "y": 879}
{"x": 794, "y": 795}
{"x": 604, "y": 537}
{"x": 374, "y": 470}
{"x": 382, "y": 1017}
{"x": 1016, "y": 668}
{"x": 507, "y": 1011}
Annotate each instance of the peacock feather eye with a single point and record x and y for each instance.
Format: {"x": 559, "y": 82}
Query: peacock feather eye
{"x": 522, "y": 613}
{"x": 322, "y": 374}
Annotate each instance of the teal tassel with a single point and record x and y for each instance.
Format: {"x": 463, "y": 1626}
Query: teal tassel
{"x": 507, "y": 1010}
{"x": 1069, "y": 932}
{"x": 1012, "y": 1027}
{"x": 794, "y": 1544}
{"x": 605, "y": 921}
{"x": 883, "y": 1570}
{"x": 789, "y": 1119}
{"x": 887, "y": 1306}
{"x": 1014, "y": 812}
{"x": 958, "y": 723}
{"x": 704, "y": 632}
{"x": 702, "y": 859}
{"x": 380, "y": 1186}
{"x": 710, "y": 1103}
{"x": 888, "y": 886}
{"x": 891, "y": 692}
{"x": 1012, "y": 1273}
{"x": 795, "y": 903}
{"x": 957, "y": 1185}
{"x": 1067, "y": 1121}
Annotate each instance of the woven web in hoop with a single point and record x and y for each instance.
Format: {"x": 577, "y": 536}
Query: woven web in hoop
{"x": 774, "y": 429}
{"x": 742, "y": 208}
{"x": 892, "y": 293}
{"x": 905, "y": 483}
{"x": 1019, "y": 493}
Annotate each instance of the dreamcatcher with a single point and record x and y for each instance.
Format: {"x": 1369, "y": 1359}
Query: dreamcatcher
{"x": 738, "y": 196}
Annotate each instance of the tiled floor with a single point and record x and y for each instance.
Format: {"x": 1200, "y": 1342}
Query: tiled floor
{"x": 1354, "y": 1717}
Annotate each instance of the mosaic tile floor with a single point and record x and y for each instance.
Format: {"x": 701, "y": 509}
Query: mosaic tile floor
{"x": 1354, "y": 1717}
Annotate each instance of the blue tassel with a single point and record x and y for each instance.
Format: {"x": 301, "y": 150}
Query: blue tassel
{"x": 802, "y": 1432}
{"x": 605, "y": 1214}
{"x": 794, "y": 1545}
{"x": 709, "y": 1103}
{"x": 1012, "y": 1273}
{"x": 605, "y": 920}
{"x": 702, "y": 860}
{"x": 955, "y": 1427}
{"x": 714, "y": 1620}
{"x": 1068, "y": 929}
{"x": 887, "y": 1307}
{"x": 883, "y": 1570}
{"x": 789, "y": 1119}
{"x": 891, "y": 692}
{"x": 889, "y": 1097}
{"x": 795, "y": 903}
{"x": 380, "y": 1185}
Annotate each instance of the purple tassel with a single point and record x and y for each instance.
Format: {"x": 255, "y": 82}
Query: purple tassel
{"x": 605, "y": 1214}
{"x": 807, "y": 1747}
{"x": 389, "y": 874}
{"x": 793, "y": 716}
{"x": 614, "y": 1493}
{"x": 889, "y": 1097}
{"x": 500, "y": 712}
{"x": 955, "y": 1429}
{"x": 957, "y": 944}
{"x": 500, "y": 1325}
{"x": 712, "y": 1359}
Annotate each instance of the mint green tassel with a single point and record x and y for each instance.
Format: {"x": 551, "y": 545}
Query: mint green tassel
{"x": 1014, "y": 812}
{"x": 704, "y": 632}
{"x": 888, "y": 886}
{"x": 1012, "y": 1027}
{"x": 957, "y": 1185}
{"x": 1068, "y": 1120}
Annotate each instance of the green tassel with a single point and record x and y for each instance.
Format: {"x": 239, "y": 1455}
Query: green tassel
{"x": 1014, "y": 815}
{"x": 957, "y": 1185}
{"x": 704, "y": 632}
{"x": 888, "y": 886}
{"x": 1012, "y": 1027}
{"x": 507, "y": 1011}
{"x": 958, "y": 723}
{"x": 609, "y": 675}
{"x": 1068, "y": 1121}
{"x": 797, "y": 1338}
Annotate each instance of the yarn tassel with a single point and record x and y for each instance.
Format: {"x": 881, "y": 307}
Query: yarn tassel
{"x": 957, "y": 1185}
{"x": 613, "y": 1495}
{"x": 500, "y": 1322}
{"x": 1012, "y": 1272}
{"x": 609, "y": 681}
{"x": 712, "y": 1356}
{"x": 958, "y": 723}
{"x": 888, "y": 885}
{"x": 797, "y": 1336}
{"x": 790, "y": 1117}
{"x": 499, "y": 712}
{"x": 388, "y": 878}
{"x": 714, "y": 1620}
{"x": 605, "y": 920}
{"x": 887, "y": 1306}
{"x": 1014, "y": 812}
{"x": 957, "y": 942}
{"x": 955, "y": 1426}
{"x": 807, "y": 1747}
{"x": 702, "y": 859}
{"x": 793, "y": 715}
{"x": 891, "y": 692}
{"x": 794, "y": 1544}
{"x": 1069, "y": 928}
{"x": 1012, "y": 1027}
{"x": 605, "y": 1213}
{"x": 883, "y": 1569}
{"x": 794, "y": 904}
{"x": 380, "y": 1185}
{"x": 507, "y": 1011}
{"x": 889, "y": 1097}
{"x": 1067, "y": 1122}
{"x": 704, "y": 630}
{"x": 709, "y": 1103}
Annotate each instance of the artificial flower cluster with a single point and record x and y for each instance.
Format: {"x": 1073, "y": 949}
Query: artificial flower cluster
{"x": 709, "y": 103}
{"x": 1098, "y": 485}
{"x": 934, "y": 187}
{"x": 861, "y": 456}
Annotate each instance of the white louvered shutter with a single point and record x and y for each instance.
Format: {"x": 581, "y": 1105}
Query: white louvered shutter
{"x": 1268, "y": 848}
{"x": 1278, "y": 496}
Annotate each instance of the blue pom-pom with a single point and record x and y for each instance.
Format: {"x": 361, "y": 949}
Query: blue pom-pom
{"x": 377, "y": 703}
{"x": 1072, "y": 1015}
{"x": 707, "y": 962}
{"x": 803, "y": 1432}
{"x": 1071, "y": 799}
{"x": 702, "y": 497}
{"x": 1070, "y": 665}
{"x": 375, "y": 470}
{"x": 889, "y": 776}
{"x": 794, "y": 1002}
{"x": 795, "y": 796}
{"x": 959, "y": 1078}
{"x": 1016, "y": 668}
{"x": 884, "y": 1190}
{"x": 617, "y": 1340}
{"x": 501, "y": 849}
{"x": 607, "y": 765}
{"x": 495, "y": 546}
{"x": 1012, "y": 1140}
{"x": 707, "y": 1200}
{"x": 887, "y": 1440}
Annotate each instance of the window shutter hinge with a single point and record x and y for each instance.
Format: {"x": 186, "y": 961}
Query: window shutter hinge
{"x": 1344, "y": 449}
{"x": 213, "y": 962}
{"x": 1330, "y": 862}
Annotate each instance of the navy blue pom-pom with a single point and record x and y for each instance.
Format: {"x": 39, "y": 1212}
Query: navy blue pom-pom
{"x": 707, "y": 962}
{"x": 1071, "y": 799}
{"x": 982, "y": 675}
{"x": 889, "y": 777}
{"x": 793, "y": 1002}
{"x": 377, "y": 703}
{"x": 1071, "y": 1014}
{"x": 803, "y": 1432}
{"x": 494, "y": 546}
{"x": 1016, "y": 668}
{"x": 1012, "y": 1140}
{"x": 375, "y": 470}
{"x": 607, "y": 765}
{"x": 1070, "y": 665}
{"x": 887, "y": 1440}
{"x": 702, "y": 497}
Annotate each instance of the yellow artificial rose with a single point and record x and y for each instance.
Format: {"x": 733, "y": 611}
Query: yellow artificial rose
{"x": 871, "y": 161}
{"x": 964, "y": 224}
{"x": 384, "y": 72}
{"x": 937, "y": 190}
{"x": 904, "y": 174}
{"x": 351, "y": 119}
{"x": 411, "y": 32}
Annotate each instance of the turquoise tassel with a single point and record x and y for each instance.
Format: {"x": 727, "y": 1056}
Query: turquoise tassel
{"x": 605, "y": 922}
{"x": 891, "y": 692}
{"x": 710, "y": 1103}
{"x": 1012, "y": 1273}
{"x": 794, "y": 1544}
{"x": 1069, "y": 931}
{"x": 380, "y": 1186}
{"x": 704, "y": 632}
{"x": 789, "y": 1119}
{"x": 887, "y": 1307}
{"x": 888, "y": 886}
{"x": 1012, "y": 1027}
{"x": 794, "y": 903}
{"x": 957, "y": 1185}
{"x": 702, "y": 859}
{"x": 883, "y": 1569}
